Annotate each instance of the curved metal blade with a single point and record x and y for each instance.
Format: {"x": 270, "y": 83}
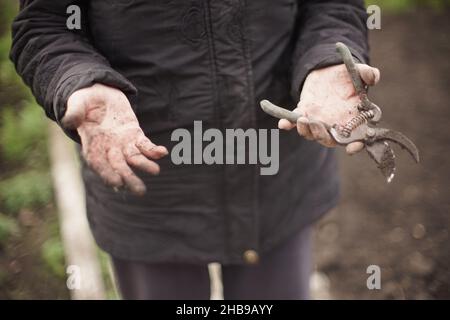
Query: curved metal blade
{"x": 399, "y": 138}
{"x": 383, "y": 155}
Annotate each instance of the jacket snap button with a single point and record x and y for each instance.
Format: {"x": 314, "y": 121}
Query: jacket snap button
{"x": 251, "y": 256}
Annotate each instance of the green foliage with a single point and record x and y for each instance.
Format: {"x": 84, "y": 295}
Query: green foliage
{"x": 24, "y": 167}
{"x": 23, "y": 134}
{"x": 108, "y": 277}
{"x": 52, "y": 254}
{"x": 29, "y": 189}
{"x": 5, "y": 44}
{"x": 8, "y": 227}
{"x": 8, "y": 75}
{"x": 7, "y": 12}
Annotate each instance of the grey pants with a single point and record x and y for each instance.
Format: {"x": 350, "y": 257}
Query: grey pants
{"x": 282, "y": 273}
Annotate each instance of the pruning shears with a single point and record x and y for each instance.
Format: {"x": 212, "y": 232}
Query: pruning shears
{"x": 362, "y": 127}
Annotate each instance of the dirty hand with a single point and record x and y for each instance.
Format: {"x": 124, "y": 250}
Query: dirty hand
{"x": 112, "y": 141}
{"x": 328, "y": 97}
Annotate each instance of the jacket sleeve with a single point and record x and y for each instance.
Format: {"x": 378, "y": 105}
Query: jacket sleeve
{"x": 55, "y": 61}
{"x": 322, "y": 23}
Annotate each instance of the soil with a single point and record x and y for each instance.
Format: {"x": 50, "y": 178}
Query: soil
{"x": 403, "y": 227}
{"x": 26, "y": 276}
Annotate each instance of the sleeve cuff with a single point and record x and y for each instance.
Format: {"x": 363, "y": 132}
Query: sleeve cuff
{"x": 83, "y": 76}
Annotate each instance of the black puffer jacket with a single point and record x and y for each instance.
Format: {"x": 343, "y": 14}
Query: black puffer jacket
{"x": 185, "y": 60}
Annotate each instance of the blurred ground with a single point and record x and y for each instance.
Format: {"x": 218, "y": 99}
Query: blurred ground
{"x": 403, "y": 227}
{"x": 31, "y": 254}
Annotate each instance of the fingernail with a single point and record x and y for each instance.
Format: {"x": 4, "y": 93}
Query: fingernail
{"x": 376, "y": 74}
{"x": 163, "y": 150}
{"x": 139, "y": 190}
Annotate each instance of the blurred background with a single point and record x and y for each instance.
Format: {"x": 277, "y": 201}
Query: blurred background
{"x": 402, "y": 227}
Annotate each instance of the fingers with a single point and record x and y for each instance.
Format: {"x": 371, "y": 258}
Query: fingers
{"x": 303, "y": 128}
{"x": 320, "y": 134}
{"x": 310, "y": 130}
{"x": 354, "y": 147}
{"x": 115, "y": 169}
{"x": 370, "y": 75}
{"x": 284, "y": 124}
{"x": 136, "y": 159}
{"x": 136, "y": 156}
{"x": 115, "y": 165}
{"x": 119, "y": 164}
{"x": 150, "y": 150}
{"x": 100, "y": 165}
{"x": 316, "y": 130}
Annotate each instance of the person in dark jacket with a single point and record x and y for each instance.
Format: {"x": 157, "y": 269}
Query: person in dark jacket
{"x": 138, "y": 70}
